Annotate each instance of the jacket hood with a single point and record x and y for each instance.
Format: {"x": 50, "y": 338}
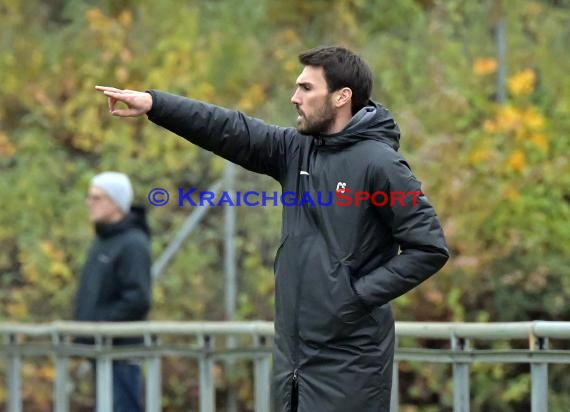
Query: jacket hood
{"x": 373, "y": 122}
{"x": 136, "y": 218}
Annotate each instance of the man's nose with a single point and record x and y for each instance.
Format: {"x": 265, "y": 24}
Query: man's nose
{"x": 295, "y": 98}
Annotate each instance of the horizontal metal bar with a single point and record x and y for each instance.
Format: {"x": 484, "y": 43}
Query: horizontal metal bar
{"x": 402, "y": 353}
{"x": 483, "y": 356}
{"x": 123, "y": 329}
{"x": 426, "y": 330}
{"x": 29, "y": 329}
{"x": 551, "y": 329}
{"x": 444, "y": 330}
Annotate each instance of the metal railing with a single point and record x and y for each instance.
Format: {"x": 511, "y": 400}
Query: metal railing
{"x": 254, "y": 342}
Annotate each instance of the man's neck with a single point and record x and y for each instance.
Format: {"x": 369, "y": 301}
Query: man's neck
{"x": 340, "y": 122}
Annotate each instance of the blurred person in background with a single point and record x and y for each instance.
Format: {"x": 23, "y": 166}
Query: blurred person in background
{"x": 115, "y": 283}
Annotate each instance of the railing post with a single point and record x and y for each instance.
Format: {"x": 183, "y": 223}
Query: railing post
{"x": 14, "y": 377}
{"x": 60, "y": 396}
{"x": 262, "y": 377}
{"x": 153, "y": 376}
{"x": 395, "y": 394}
{"x": 539, "y": 377}
{"x": 104, "y": 377}
{"x": 207, "y": 389}
{"x": 460, "y": 376}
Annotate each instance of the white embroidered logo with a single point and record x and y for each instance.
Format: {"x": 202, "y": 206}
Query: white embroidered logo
{"x": 341, "y": 187}
{"x": 302, "y": 172}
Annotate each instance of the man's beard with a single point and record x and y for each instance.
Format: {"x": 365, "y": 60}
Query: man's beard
{"x": 319, "y": 123}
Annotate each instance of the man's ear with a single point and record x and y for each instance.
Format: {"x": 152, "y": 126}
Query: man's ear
{"x": 342, "y": 97}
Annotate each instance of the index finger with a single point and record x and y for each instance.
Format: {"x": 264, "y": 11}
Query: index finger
{"x": 108, "y": 89}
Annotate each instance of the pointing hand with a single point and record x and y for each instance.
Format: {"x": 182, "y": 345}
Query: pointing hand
{"x": 138, "y": 103}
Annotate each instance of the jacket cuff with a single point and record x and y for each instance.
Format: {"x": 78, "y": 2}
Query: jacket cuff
{"x": 154, "y": 108}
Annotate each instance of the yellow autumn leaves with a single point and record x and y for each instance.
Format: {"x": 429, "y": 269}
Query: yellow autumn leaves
{"x": 522, "y": 83}
{"x": 484, "y": 66}
{"x": 524, "y": 124}
{"x": 52, "y": 263}
{"x": 517, "y": 160}
{"x": 520, "y": 123}
{"x": 98, "y": 21}
{"x": 6, "y": 146}
{"x": 252, "y": 98}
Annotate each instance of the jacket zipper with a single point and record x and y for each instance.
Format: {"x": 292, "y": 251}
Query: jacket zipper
{"x": 295, "y": 379}
{"x": 295, "y": 392}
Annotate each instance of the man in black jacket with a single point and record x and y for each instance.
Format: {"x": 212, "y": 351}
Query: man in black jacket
{"x": 338, "y": 266}
{"x": 115, "y": 281}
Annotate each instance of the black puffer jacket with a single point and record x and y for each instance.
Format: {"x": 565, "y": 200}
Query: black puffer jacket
{"x": 338, "y": 267}
{"x": 115, "y": 283}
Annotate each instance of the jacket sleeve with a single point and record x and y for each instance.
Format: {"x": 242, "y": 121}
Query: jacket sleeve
{"x": 246, "y": 141}
{"x": 415, "y": 228}
{"x": 134, "y": 278}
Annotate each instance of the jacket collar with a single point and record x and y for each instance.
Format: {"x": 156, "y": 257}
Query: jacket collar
{"x": 372, "y": 122}
{"x": 136, "y": 218}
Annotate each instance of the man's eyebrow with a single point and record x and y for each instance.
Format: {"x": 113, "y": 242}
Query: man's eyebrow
{"x": 304, "y": 84}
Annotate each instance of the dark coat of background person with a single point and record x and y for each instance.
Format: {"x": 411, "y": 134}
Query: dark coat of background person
{"x": 115, "y": 283}
{"x": 337, "y": 267}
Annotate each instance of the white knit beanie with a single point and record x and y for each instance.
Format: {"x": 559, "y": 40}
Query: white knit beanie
{"x": 118, "y": 188}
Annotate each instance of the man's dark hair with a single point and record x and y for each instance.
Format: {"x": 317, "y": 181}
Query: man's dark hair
{"x": 342, "y": 68}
